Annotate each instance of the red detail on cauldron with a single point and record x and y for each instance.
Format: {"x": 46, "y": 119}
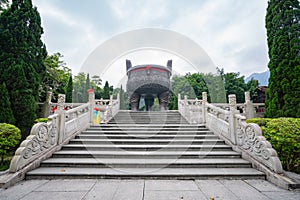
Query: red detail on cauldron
{"x": 148, "y": 67}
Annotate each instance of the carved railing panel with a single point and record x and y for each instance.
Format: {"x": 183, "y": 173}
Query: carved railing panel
{"x": 251, "y": 140}
{"x": 191, "y": 110}
{"x": 43, "y": 136}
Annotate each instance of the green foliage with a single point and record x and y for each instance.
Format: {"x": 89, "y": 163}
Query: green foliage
{"x": 6, "y": 114}
{"x": 96, "y": 85}
{"x": 284, "y": 135}
{"x": 218, "y": 87}
{"x": 173, "y": 102}
{"x": 79, "y": 94}
{"x": 259, "y": 121}
{"x": 124, "y": 105}
{"x": 69, "y": 92}
{"x": 41, "y": 120}
{"x": 56, "y": 78}
{"x": 283, "y": 25}
{"x": 235, "y": 84}
{"x": 106, "y": 91}
{"x": 9, "y": 137}
{"x": 21, "y": 60}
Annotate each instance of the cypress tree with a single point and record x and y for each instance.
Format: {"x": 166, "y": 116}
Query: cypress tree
{"x": 283, "y": 31}
{"x": 106, "y": 91}
{"x": 69, "y": 91}
{"x": 6, "y": 114}
{"x": 21, "y": 60}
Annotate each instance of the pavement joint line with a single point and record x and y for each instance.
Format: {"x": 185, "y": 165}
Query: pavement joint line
{"x": 87, "y": 192}
{"x": 230, "y": 189}
{"x": 143, "y": 197}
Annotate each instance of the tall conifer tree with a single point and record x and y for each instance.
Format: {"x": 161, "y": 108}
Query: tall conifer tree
{"x": 69, "y": 91}
{"x": 21, "y": 60}
{"x": 6, "y": 114}
{"x": 283, "y": 31}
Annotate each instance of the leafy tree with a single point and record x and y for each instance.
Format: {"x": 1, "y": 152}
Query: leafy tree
{"x": 69, "y": 91}
{"x": 22, "y": 54}
{"x": 56, "y": 78}
{"x": 283, "y": 32}
{"x": 79, "y": 88}
{"x": 6, "y": 114}
{"x": 96, "y": 85}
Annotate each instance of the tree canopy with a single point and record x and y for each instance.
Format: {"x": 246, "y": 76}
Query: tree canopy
{"x": 21, "y": 60}
{"x": 283, "y": 33}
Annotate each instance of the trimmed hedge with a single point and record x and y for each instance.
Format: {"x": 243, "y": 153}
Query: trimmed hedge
{"x": 10, "y": 137}
{"x": 41, "y": 120}
{"x": 284, "y": 135}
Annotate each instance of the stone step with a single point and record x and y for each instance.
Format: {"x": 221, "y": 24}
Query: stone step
{"x": 146, "y": 141}
{"x": 144, "y": 129}
{"x": 149, "y": 132}
{"x": 145, "y": 154}
{"x": 159, "y": 125}
{"x": 149, "y": 173}
{"x": 146, "y": 163}
{"x": 139, "y": 122}
{"x": 133, "y": 136}
{"x": 148, "y": 147}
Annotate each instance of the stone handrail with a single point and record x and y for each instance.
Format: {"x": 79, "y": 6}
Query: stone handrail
{"x": 227, "y": 122}
{"x": 46, "y": 138}
{"x": 191, "y": 110}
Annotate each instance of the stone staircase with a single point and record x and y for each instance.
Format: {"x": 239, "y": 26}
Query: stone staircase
{"x": 154, "y": 145}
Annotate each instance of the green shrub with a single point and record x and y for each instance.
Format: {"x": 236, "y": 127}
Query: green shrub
{"x": 9, "y": 138}
{"x": 41, "y": 120}
{"x": 284, "y": 135}
{"x": 259, "y": 121}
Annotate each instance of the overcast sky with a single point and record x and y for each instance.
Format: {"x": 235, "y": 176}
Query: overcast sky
{"x": 231, "y": 32}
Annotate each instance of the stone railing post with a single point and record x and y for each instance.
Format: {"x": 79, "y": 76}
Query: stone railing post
{"x": 204, "y": 101}
{"x": 185, "y": 108}
{"x": 249, "y": 109}
{"x": 46, "y": 106}
{"x": 92, "y": 105}
{"x": 111, "y": 100}
{"x": 62, "y": 117}
{"x": 232, "y": 118}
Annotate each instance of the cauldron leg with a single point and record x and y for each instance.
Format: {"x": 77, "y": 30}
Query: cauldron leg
{"x": 164, "y": 100}
{"x": 134, "y": 101}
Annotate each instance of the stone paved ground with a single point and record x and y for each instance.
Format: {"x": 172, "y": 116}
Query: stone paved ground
{"x": 147, "y": 190}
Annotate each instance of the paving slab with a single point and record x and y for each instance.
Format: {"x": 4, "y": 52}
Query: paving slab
{"x": 263, "y": 186}
{"x": 116, "y": 189}
{"x": 172, "y": 195}
{"x": 285, "y": 195}
{"x": 215, "y": 189}
{"x": 21, "y": 189}
{"x": 103, "y": 189}
{"x": 129, "y": 190}
{"x": 243, "y": 190}
{"x": 170, "y": 185}
{"x": 67, "y": 185}
{"x": 54, "y": 196}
